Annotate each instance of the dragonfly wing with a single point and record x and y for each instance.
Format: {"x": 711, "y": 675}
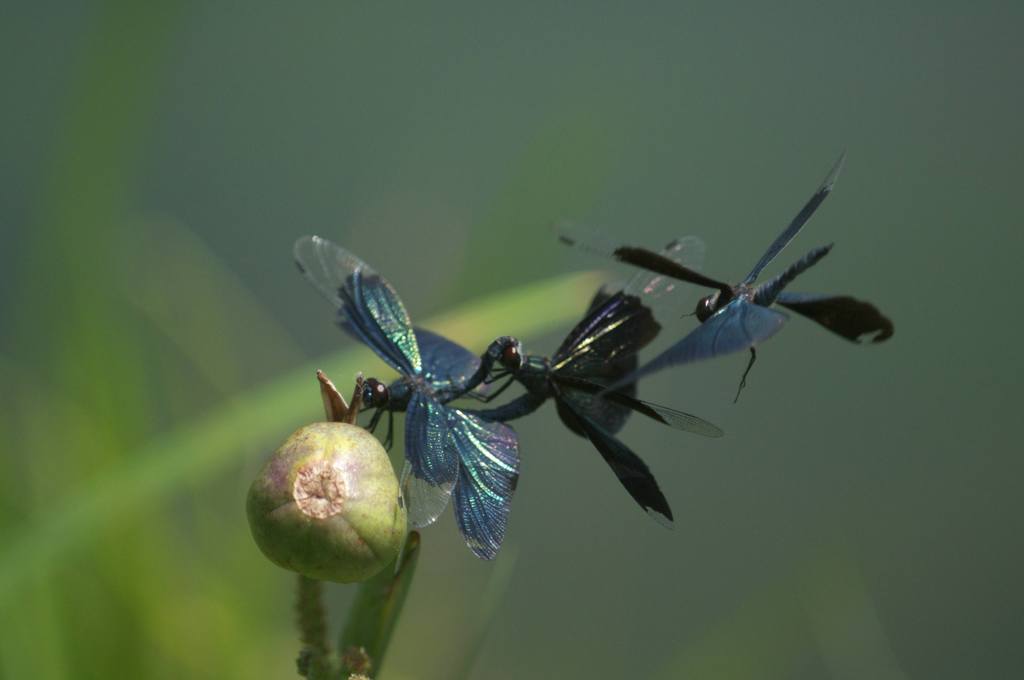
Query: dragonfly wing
{"x": 736, "y": 327}
{"x": 369, "y": 307}
{"x": 628, "y": 467}
{"x": 677, "y": 267}
{"x": 424, "y": 501}
{"x": 488, "y": 474}
{"x": 663, "y": 414}
{"x": 426, "y": 441}
{"x": 783, "y": 239}
{"x": 846, "y": 316}
{"x": 445, "y": 363}
{"x": 602, "y": 348}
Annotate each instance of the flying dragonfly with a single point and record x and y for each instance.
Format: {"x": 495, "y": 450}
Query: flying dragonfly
{"x": 448, "y": 452}
{"x": 599, "y": 351}
{"x": 739, "y": 317}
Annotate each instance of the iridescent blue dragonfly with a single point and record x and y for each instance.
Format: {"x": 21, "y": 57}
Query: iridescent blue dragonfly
{"x": 448, "y": 452}
{"x": 599, "y": 351}
{"x": 739, "y": 317}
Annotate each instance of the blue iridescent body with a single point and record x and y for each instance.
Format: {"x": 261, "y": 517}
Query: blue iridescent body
{"x": 449, "y": 453}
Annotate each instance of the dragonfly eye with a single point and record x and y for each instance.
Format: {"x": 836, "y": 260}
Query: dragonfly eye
{"x": 705, "y": 308}
{"x": 511, "y": 357}
{"x": 375, "y": 393}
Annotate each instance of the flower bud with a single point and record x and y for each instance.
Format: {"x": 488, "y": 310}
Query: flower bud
{"x": 326, "y": 504}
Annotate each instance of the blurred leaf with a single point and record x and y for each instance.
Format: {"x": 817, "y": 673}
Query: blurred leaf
{"x": 254, "y": 420}
{"x": 188, "y": 291}
{"x": 374, "y": 613}
{"x": 487, "y": 610}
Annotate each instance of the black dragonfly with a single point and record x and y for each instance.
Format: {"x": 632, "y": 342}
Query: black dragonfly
{"x": 739, "y": 317}
{"x": 599, "y": 351}
{"x": 449, "y": 452}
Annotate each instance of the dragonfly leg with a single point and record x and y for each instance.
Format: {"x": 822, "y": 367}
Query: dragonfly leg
{"x": 495, "y": 377}
{"x": 389, "y": 440}
{"x": 493, "y": 395}
{"x": 375, "y": 420}
{"x": 743, "y": 380}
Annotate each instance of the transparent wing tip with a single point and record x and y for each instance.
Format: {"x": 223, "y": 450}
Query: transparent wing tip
{"x": 661, "y": 519}
{"x": 304, "y": 251}
{"x": 423, "y": 502}
{"x": 833, "y": 174}
{"x": 584, "y": 238}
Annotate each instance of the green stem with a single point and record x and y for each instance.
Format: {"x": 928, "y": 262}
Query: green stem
{"x": 375, "y": 611}
{"x": 314, "y": 659}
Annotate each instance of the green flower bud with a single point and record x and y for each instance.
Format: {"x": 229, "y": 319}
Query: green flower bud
{"x": 326, "y": 505}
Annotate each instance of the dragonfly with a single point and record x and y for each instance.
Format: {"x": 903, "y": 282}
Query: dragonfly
{"x": 737, "y": 317}
{"x": 601, "y": 349}
{"x": 449, "y": 453}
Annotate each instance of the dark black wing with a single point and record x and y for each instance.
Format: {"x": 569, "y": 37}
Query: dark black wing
{"x": 630, "y": 470}
{"x": 841, "y": 314}
{"x": 798, "y": 222}
{"x": 736, "y": 327}
{"x": 603, "y": 348}
{"x": 369, "y": 307}
{"x": 656, "y": 262}
{"x": 619, "y": 327}
{"x": 663, "y": 414}
{"x": 488, "y": 474}
{"x": 679, "y": 262}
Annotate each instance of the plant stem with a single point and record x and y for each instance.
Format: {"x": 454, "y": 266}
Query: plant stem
{"x": 314, "y": 660}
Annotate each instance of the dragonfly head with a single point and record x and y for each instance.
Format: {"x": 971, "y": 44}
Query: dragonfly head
{"x": 375, "y": 393}
{"x": 508, "y": 352}
{"x": 706, "y": 306}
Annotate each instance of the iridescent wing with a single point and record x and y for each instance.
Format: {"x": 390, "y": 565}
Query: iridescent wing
{"x": 736, "y": 327}
{"x": 618, "y": 328}
{"x": 426, "y": 441}
{"x": 629, "y": 469}
{"x": 799, "y": 221}
{"x": 603, "y": 346}
{"x": 488, "y": 473}
{"x": 445, "y": 363}
{"x": 369, "y": 307}
{"x": 841, "y": 314}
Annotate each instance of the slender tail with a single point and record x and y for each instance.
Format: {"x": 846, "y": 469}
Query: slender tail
{"x": 766, "y": 293}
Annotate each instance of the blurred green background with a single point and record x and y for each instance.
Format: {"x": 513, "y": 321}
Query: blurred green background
{"x": 862, "y": 517}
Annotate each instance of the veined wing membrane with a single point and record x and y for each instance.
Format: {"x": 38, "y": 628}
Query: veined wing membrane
{"x": 444, "y": 362}
{"x": 369, "y": 307}
{"x": 424, "y": 501}
{"x": 426, "y": 441}
{"x": 488, "y": 474}
{"x": 783, "y": 239}
{"x": 736, "y": 327}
